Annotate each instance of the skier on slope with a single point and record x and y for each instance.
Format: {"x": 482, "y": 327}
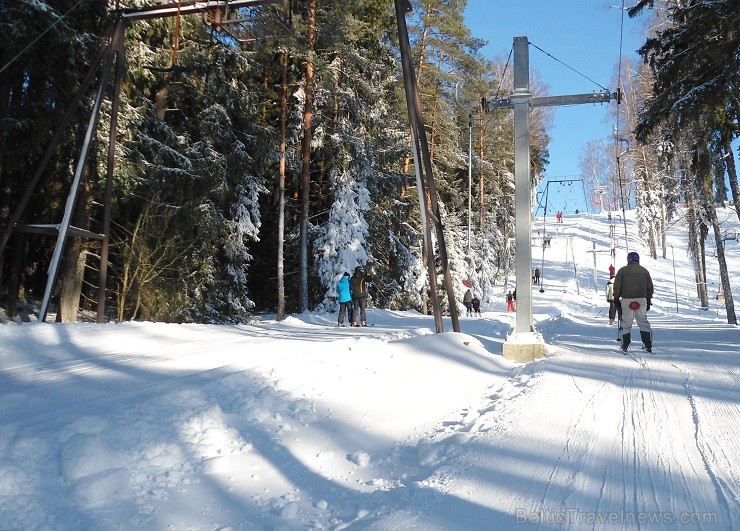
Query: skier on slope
{"x": 610, "y": 299}
{"x": 633, "y": 290}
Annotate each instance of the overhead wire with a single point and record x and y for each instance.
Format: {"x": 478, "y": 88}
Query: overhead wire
{"x": 47, "y": 30}
{"x": 570, "y": 67}
{"x": 617, "y": 137}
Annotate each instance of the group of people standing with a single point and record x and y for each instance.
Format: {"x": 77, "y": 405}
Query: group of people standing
{"x": 629, "y": 294}
{"x": 352, "y": 292}
{"x": 471, "y": 303}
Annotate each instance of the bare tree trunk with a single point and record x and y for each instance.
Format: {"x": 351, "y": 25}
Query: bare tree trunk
{"x": 731, "y": 173}
{"x": 480, "y": 173}
{"x": 281, "y": 189}
{"x": 723, "y": 274}
{"x": 306, "y": 153}
{"x": 697, "y": 256}
{"x": 704, "y": 291}
{"x": 14, "y": 274}
{"x": 75, "y": 255}
{"x": 70, "y": 281}
{"x": 663, "y": 230}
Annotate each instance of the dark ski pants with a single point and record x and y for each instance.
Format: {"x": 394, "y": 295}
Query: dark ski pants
{"x": 360, "y": 304}
{"x": 613, "y": 311}
{"x": 346, "y": 307}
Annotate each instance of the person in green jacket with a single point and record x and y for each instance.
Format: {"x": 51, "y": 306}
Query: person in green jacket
{"x": 633, "y": 288}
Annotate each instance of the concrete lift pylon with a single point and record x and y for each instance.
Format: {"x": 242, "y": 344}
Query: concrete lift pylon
{"x": 111, "y": 52}
{"x": 525, "y": 344}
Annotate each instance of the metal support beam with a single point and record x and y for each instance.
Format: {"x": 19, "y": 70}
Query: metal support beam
{"x": 46, "y": 157}
{"x": 409, "y": 78}
{"x": 120, "y": 51}
{"x": 72, "y": 197}
{"x": 175, "y": 8}
{"x": 521, "y": 98}
{"x": 422, "y": 153}
{"x": 552, "y": 101}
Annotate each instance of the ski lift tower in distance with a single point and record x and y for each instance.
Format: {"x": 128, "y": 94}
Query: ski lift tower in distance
{"x": 525, "y": 343}
{"x": 601, "y": 191}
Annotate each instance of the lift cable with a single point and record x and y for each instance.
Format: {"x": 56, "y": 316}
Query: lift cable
{"x": 617, "y": 137}
{"x": 47, "y": 30}
{"x": 569, "y": 67}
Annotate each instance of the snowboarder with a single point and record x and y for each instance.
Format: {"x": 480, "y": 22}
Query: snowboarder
{"x": 633, "y": 288}
{"x": 468, "y": 303}
{"x": 345, "y": 300}
{"x": 358, "y": 283}
{"x": 510, "y": 302}
{"x": 536, "y": 275}
{"x": 476, "y": 306}
{"x": 610, "y": 299}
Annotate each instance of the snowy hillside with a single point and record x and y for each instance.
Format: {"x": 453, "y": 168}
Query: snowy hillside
{"x": 301, "y": 424}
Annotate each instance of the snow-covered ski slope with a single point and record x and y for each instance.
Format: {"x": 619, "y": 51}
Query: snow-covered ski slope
{"x": 301, "y": 424}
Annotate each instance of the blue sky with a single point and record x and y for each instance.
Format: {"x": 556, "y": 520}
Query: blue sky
{"x": 583, "y": 34}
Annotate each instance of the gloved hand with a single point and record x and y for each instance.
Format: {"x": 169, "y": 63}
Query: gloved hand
{"x": 647, "y": 309}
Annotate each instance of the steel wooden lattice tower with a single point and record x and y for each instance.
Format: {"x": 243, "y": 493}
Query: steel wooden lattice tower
{"x": 244, "y": 29}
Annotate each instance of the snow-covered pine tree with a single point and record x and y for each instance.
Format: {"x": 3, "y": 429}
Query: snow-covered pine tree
{"x": 493, "y": 259}
{"x": 225, "y": 218}
{"x": 342, "y": 241}
{"x": 458, "y": 260}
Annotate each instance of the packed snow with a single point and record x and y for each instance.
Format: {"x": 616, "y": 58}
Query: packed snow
{"x": 301, "y": 424}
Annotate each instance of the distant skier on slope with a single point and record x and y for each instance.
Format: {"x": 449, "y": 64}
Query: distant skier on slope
{"x": 610, "y": 299}
{"x": 633, "y": 288}
{"x": 510, "y": 305}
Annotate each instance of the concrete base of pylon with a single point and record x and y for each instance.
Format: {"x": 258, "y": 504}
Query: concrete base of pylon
{"x": 524, "y": 347}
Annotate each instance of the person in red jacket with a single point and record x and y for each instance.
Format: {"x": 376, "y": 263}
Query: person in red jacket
{"x": 633, "y": 288}
{"x": 510, "y": 302}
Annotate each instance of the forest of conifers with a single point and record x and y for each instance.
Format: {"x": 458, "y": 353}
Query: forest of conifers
{"x": 249, "y": 173}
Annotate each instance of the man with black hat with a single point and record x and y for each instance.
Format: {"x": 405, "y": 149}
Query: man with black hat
{"x": 358, "y": 282}
{"x": 633, "y": 288}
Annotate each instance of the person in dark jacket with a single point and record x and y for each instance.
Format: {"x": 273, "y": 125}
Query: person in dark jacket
{"x": 611, "y": 301}
{"x": 476, "y": 306}
{"x": 633, "y": 289}
{"x": 345, "y": 300}
{"x": 358, "y": 284}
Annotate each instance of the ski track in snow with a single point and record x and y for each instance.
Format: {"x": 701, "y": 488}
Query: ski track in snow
{"x": 605, "y": 426}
